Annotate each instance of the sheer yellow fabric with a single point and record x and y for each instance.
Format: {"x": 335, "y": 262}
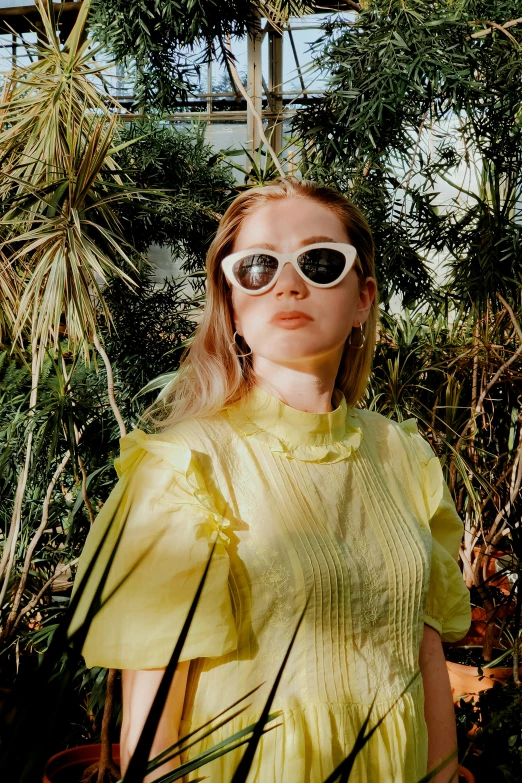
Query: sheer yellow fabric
{"x": 346, "y": 506}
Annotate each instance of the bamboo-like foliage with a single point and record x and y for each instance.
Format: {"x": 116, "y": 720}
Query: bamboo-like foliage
{"x": 61, "y": 237}
{"x": 462, "y": 381}
{"x": 420, "y": 124}
{"x": 166, "y": 41}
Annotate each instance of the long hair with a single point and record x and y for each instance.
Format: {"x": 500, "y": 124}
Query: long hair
{"x": 210, "y": 375}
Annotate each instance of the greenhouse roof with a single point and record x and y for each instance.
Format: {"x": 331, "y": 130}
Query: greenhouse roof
{"x": 21, "y": 15}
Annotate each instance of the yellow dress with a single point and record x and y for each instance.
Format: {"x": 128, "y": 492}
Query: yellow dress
{"x": 346, "y": 506}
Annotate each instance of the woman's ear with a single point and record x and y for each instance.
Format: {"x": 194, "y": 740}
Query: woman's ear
{"x": 367, "y": 292}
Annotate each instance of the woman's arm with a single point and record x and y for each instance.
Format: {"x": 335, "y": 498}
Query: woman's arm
{"x": 138, "y": 691}
{"x": 438, "y": 706}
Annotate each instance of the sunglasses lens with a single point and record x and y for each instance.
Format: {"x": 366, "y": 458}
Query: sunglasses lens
{"x": 255, "y": 272}
{"x": 322, "y": 265}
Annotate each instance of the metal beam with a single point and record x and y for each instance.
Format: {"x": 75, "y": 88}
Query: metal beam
{"x": 219, "y": 117}
{"x": 275, "y": 85}
{"x": 254, "y": 86}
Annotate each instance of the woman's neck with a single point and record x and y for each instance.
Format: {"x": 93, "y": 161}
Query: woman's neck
{"x": 304, "y": 389}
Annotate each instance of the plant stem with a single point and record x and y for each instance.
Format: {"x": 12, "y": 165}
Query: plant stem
{"x": 32, "y": 546}
{"x": 516, "y": 646}
{"x": 16, "y": 519}
{"x": 110, "y": 386}
{"x": 106, "y": 761}
{"x": 252, "y": 108}
{"x": 33, "y": 602}
{"x": 106, "y": 764}
{"x": 496, "y": 376}
{"x": 86, "y": 500}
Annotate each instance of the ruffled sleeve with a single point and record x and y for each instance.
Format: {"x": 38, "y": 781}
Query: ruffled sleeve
{"x": 169, "y": 522}
{"x": 447, "y": 608}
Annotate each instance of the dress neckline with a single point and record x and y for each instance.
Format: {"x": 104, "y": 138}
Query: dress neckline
{"x": 295, "y": 426}
{"x": 313, "y": 437}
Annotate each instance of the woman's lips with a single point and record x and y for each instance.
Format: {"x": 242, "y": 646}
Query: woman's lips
{"x": 291, "y": 319}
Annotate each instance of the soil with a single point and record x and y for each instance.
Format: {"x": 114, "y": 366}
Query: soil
{"x": 68, "y": 776}
{"x": 472, "y": 656}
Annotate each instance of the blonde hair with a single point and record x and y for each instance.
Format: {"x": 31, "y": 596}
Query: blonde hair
{"x": 210, "y": 376}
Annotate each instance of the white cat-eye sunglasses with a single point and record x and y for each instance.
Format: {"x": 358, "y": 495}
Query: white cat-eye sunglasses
{"x": 323, "y": 265}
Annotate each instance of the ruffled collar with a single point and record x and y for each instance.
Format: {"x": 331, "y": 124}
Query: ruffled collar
{"x": 295, "y": 434}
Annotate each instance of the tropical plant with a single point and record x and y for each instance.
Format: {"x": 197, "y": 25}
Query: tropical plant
{"x": 491, "y": 727}
{"x": 166, "y": 41}
{"x": 195, "y": 179}
{"x": 71, "y": 190}
{"x": 63, "y": 652}
{"x": 425, "y": 366}
{"x": 60, "y": 240}
{"x": 425, "y": 96}
{"x": 60, "y": 237}
{"x": 263, "y": 165}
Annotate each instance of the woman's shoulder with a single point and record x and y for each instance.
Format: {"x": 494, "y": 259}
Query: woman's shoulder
{"x": 379, "y": 425}
{"x": 387, "y": 439}
{"x": 404, "y": 453}
{"x": 196, "y": 433}
{"x": 175, "y": 445}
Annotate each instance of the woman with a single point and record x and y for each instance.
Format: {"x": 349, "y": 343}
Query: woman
{"x": 263, "y": 449}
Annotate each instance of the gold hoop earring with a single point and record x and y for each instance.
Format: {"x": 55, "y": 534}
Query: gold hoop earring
{"x": 233, "y": 345}
{"x": 363, "y": 339}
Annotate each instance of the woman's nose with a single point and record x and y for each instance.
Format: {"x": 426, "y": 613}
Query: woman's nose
{"x": 289, "y": 282}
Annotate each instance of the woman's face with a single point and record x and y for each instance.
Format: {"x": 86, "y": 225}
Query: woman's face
{"x": 286, "y": 225}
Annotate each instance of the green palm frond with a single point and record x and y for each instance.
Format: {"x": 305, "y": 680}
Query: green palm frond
{"x": 60, "y": 235}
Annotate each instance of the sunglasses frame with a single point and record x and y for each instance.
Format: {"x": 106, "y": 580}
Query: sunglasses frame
{"x": 349, "y": 252}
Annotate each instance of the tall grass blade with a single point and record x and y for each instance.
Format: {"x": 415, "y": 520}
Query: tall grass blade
{"x": 225, "y": 746}
{"x": 342, "y": 772}
{"x": 62, "y": 654}
{"x": 435, "y": 771}
{"x": 243, "y": 768}
{"x": 164, "y": 755}
{"x": 32, "y": 716}
{"x": 140, "y": 758}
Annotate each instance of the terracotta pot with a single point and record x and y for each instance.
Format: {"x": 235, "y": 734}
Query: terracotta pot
{"x": 466, "y": 681}
{"x": 465, "y": 774}
{"x": 70, "y": 764}
{"x": 477, "y": 630}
